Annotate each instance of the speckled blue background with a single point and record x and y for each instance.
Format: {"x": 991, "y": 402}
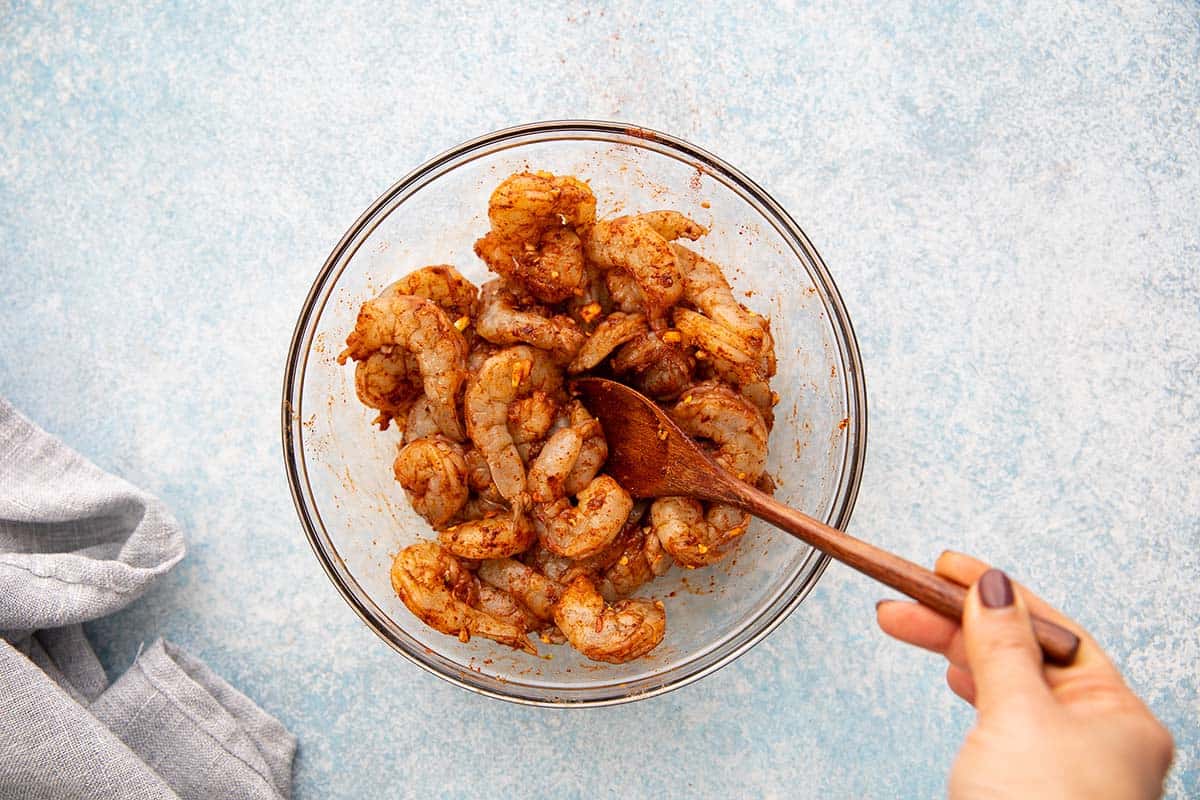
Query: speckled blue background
{"x": 1007, "y": 196}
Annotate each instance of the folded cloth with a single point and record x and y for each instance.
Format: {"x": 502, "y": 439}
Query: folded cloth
{"x": 76, "y": 544}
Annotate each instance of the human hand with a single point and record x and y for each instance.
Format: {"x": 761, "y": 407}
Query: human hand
{"x": 1041, "y": 731}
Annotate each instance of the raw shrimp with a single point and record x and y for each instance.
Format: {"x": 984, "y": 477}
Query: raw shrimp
{"x": 401, "y": 322}
{"x": 592, "y": 452}
{"x": 556, "y": 271}
{"x": 502, "y": 605}
{"x": 388, "y": 383}
{"x": 584, "y": 530}
{"x": 531, "y": 242}
{"x": 640, "y": 245}
{"x": 443, "y": 285}
{"x": 481, "y": 351}
{"x": 624, "y": 291}
{"x": 715, "y": 412}
{"x": 616, "y": 329}
{"x": 479, "y": 477}
{"x": 730, "y": 359}
{"x": 672, "y": 225}
{"x": 694, "y": 537}
{"x": 551, "y": 269}
{"x": 548, "y": 473}
{"x": 481, "y": 507}
{"x": 533, "y": 589}
{"x": 505, "y": 377}
{"x": 642, "y": 558}
{"x": 718, "y": 342}
{"x": 571, "y": 457}
{"x": 502, "y": 322}
{"x": 529, "y": 419}
{"x": 420, "y": 422}
{"x": 653, "y": 367}
{"x": 439, "y": 590}
{"x": 559, "y": 569}
{"x": 593, "y": 300}
{"x": 705, "y": 287}
{"x": 527, "y": 204}
{"x": 623, "y": 560}
{"x": 433, "y": 472}
{"x": 617, "y": 633}
{"x": 498, "y": 536}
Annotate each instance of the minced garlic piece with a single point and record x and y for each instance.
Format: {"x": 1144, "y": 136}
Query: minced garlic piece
{"x": 520, "y": 372}
{"x": 590, "y": 312}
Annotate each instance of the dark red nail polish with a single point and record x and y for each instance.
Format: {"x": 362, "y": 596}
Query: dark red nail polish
{"x": 995, "y": 589}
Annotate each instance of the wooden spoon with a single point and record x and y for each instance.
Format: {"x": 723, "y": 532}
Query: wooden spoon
{"x": 651, "y": 456}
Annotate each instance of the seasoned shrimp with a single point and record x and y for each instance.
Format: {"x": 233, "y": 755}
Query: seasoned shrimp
{"x": 557, "y": 270}
{"x": 593, "y": 451}
{"x": 531, "y": 242}
{"x": 529, "y": 419}
{"x": 640, "y": 245}
{"x": 502, "y": 605}
{"x": 671, "y": 225}
{"x": 527, "y": 204}
{"x": 533, "y": 589}
{"x": 729, "y": 358}
{"x": 482, "y": 507}
{"x": 719, "y": 342}
{"x": 548, "y": 473}
{"x": 571, "y": 457}
{"x": 641, "y": 559}
{"x": 502, "y": 322}
{"x": 616, "y": 329}
{"x": 479, "y": 477}
{"x": 441, "y": 284}
{"x": 505, "y": 377}
{"x": 705, "y": 287}
{"x": 583, "y": 530}
{"x": 507, "y": 467}
{"x": 653, "y": 367}
{"x": 420, "y": 422}
{"x": 433, "y": 473}
{"x": 439, "y": 591}
{"x": 551, "y": 268}
{"x": 624, "y": 290}
{"x": 593, "y": 300}
{"x": 617, "y": 633}
{"x": 559, "y": 569}
{"x": 401, "y": 322}
{"x": 388, "y": 383}
{"x": 481, "y": 351}
{"x": 498, "y": 536}
{"x": 714, "y": 412}
{"x": 694, "y": 537}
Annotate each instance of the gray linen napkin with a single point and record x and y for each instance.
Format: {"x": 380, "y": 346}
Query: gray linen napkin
{"x": 76, "y": 544}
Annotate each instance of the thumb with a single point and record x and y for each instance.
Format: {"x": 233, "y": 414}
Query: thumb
{"x": 1002, "y": 653}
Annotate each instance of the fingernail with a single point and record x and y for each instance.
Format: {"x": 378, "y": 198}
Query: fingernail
{"x": 995, "y": 589}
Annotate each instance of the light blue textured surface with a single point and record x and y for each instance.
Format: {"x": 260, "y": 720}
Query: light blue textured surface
{"x": 1007, "y": 197}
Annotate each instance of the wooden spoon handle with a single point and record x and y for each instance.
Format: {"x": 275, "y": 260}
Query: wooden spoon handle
{"x": 926, "y": 587}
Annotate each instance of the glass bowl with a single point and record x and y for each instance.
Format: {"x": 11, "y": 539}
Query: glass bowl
{"x": 339, "y": 467}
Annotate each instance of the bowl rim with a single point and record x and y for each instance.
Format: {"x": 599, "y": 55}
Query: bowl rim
{"x": 853, "y": 382}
